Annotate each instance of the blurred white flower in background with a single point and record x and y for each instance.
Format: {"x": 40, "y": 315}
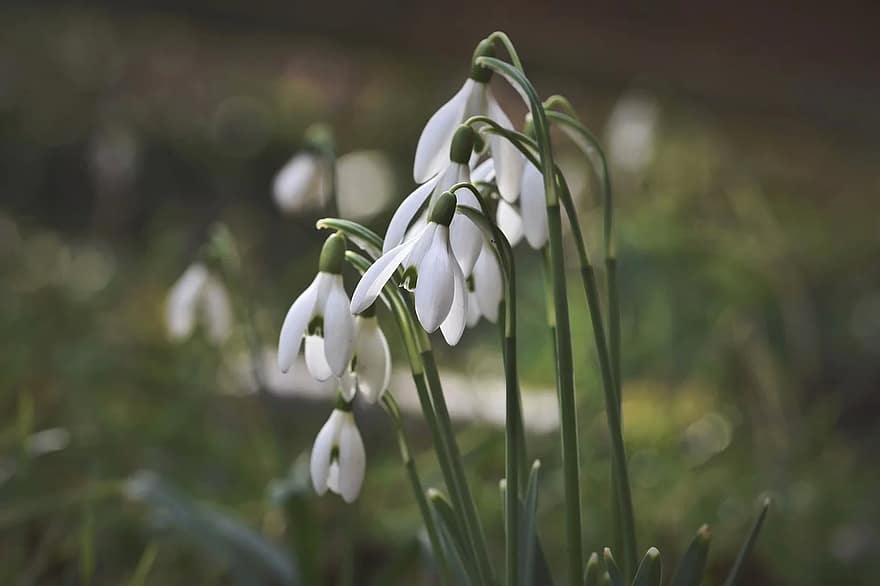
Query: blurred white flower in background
{"x": 198, "y": 296}
{"x": 364, "y": 184}
{"x": 302, "y": 184}
{"x": 631, "y": 132}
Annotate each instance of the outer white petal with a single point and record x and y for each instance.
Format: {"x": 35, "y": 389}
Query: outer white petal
{"x": 372, "y": 281}
{"x": 338, "y": 328}
{"x": 352, "y": 460}
{"x": 422, "y": 243}
{"x": 295, "y": 323}
{"x": 508, "y": 160}
{"x": 294, "y": 188}
{"x": 373, "y": 359}
{"x": 485, "y": 171}
{"x": 465, "y": 236}
{"x": 327, "y": 438}
{"x": 316, "y": 361}
{"x": 432, "y": 151}
{"x": 435, "y": 284}
{"x": 406, "y": 213}
{"x": 348, "y": 385}
{"x": 534, "y": 207}
{"x": 217, "y": 310}
{"x": 453, "y": 325}
{"x": 181, "y": 306}
{"x": 510, "y": 222}
{"x": 488, "y": 284}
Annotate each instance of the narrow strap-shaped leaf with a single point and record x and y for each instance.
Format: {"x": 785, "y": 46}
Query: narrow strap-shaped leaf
{"x": 611, "y": 568}
{"x": 592, "y": 571}
{"x": 746, "y": 550}
{"x": 690, "y": 568}
{"x": 650, "y": 572}
{"x": 535, "y": 571}
{"x": 453, "y": 539}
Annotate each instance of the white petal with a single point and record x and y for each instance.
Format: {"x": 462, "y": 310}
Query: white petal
{"x": 328, "y": 437}
{"x": 534, "y": 207}
{"x": 180, "y": 308}
{"x": 352, "y": 460}
{"x": 406, "y": 213}
{"x": 473, "y": 309}
{"x": 217, "y": 310}
{"x": 435, "y": 284}
{"x": 485, "y": 171}
{"x": 432, "y": 151}
{"x": 375, "y": 277}
{"x": 508, "y": 160}
{"x": 510, "y": 222}
{"x": 338, "y": 328}
{"x": 465, "y": 236}
{"x": 453, "y": 325}
{"x": 298, "y": 316}
{"x": 316, "y": 361}
{"x": 373, "y": 359}
{"x": 296, "y": 185}
{"x": 348, "y": 385}
{"x": 423, "y": 242}
{"x": 488, "y": 284}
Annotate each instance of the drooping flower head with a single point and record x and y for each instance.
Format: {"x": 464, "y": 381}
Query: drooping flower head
{"x": 484, "y": 288}
{"x": 303, "y": 182}
{"x": 198, "y": 296}
{"x": 430, "y": 270}
{"x": 464, "y": 235}
{"x": 370, "y": 369}
{"x": 321, "y": 315}
{"x": 338, "y": 459}
{"x": 474, "y": 98}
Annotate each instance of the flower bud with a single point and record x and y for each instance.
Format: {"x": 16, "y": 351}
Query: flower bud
{"x": 462, "y": 145}
{"x": 332, "y": 255}
{"x": 443, "y": 210}
{"x": 479, "y": 73}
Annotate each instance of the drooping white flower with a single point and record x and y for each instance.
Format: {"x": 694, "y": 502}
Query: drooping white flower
{"x": 370, "y": 369}
{"x": 463, "y": 233}
{"x": 533, "y": 207}
{"x": 338, "y": 459}
{"x": 474, "y": 98}
{"x": 321, "y": 315}
{"x": 198, "y": 296}
{"x": 302, "y": 183}
{"x": 485, "y": 288}
{"x": 430, "y": 269}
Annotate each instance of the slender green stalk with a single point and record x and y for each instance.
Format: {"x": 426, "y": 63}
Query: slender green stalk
{"x": 564, "y": 370}
{"x": 409, "y": 463}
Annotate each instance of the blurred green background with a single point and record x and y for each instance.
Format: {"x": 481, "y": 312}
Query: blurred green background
{"x": 747, "y": 168}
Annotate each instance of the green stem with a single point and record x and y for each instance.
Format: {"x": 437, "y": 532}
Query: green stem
{"x": 564, "y": 370}
{"x": 409, "y": 463}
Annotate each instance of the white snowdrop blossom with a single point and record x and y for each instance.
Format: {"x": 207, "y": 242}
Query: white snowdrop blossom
{"x": 430, "y": 270}
{"x": 321, "y": 315}
{"x": 338, "y": 459}
{"x": 533, "y": 207}
{"x": 473, "y": 99}
{"x": 485, "y": 288}
{"x": 370, "y": 368}
{"x": 198, "y": 296}
{"x": 463, "y": 233}
{"x": 302, "y": 183}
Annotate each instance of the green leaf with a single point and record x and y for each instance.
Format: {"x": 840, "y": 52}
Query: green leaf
{"x": 366, "y": 239}
{"x": 693, "y": 564}
{"x": 535, "y": 570}
{"x": 454, "y": 543}
{"x": 592, "y": 571}
{"x": 746, "y": 550}
{"x": 251, "y": 558}
{"x": 611, "y": 568}
{"x": 650, "y": 572}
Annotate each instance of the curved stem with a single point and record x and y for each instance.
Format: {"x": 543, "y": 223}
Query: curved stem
{"x": 564, "y": 374}
{"x": 508, "y": 45}
{"x": 391, "y": 407}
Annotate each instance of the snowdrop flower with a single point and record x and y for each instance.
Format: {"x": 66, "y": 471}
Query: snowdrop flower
{"x": 198, "y": 295}
{"x": 370, "y": 369}
{"x": 529, "y": 217}
{"x": 338, "y": 458}
{"x": 463, "y": 233}
{"x": 474, "y": 98}
{"x": 321, "y": 315}
{"x": 430, "y": 269}
{"x": 303, "y": 183}
{"x": 484, "y": 288}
